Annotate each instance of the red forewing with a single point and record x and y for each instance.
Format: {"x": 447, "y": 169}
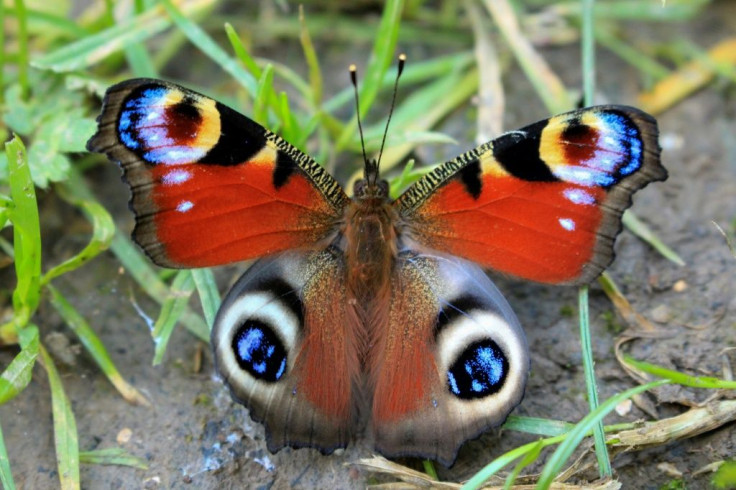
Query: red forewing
{"x": 210, "y": 186}
{"x": 542, "y": 203}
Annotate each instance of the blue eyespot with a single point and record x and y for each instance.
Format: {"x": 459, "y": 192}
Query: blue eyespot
{"x": 479, "y": 371}
{"x": 259, "y": 351}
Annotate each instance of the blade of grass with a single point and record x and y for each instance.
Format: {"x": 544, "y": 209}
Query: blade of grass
{"x": 546, "y": 83}
{"x": 601, "y": 452}
{"x": 204, "y": 280}
{"x": 65, "y": 427}
{"x": 17, "y": 374}
{"x": 491, "y": 100}
{"x": 573, "y": 439}
{"x": 209, "y": 47}
{"x": 94, "y": 346}
{"x": 2, "y": 62}
{"x": 22, "y": 18}
{"x": 112, "y": 456}
{"x": 537, "y": 426}
{"x": 382, "y": 56}
{"x": 588, "y": 67}
{"x": 93, "y": 49}
{"x": 138, "y": 59}
{"x": 687, "y": 79}
{"x": 414, "y": 73}
{"x": 708, "y": 382}
{"x": 673, "y": 10}
{"x": 310, "y": 55}
{"x": 39, "y": 18}
{"x": 171, "y": 310}
{"x": 635, "y": 57}
{"x": 525, "y": 461}
{"x": 103, "y": 231}
{"x": 265, "y": 87}
{"x": 413, "y": 115}
{"x": 640, "y": 229}
{"x": 6, "y": 477}
{"x": 26, "y": 233}
{"x": 138, "y": 266}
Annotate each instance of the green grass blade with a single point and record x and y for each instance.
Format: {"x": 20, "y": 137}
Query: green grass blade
{"x": 6, "y": 477}
{"x": 601, "y": 452}
{"x": 725, "y": 476}
{"x": 505, "y": 459}
{"x": 708, "y": 382}
{"x": 574, "y": 437}
{"x": 206, "y": 286}
{"x": 26, "y": 233}
{"x": 241, "y": 52}
{"x": 588, "y": 67}
{"x": 537, "y": 426}
{"x": 38, "y": 20}
{"x": 635, "y": 57}
{"x": 103, "y": 231}
{"x": 2, "y": 61}
{"x": 139, "y": 267}
{"x": 65, "y": 427}
{"x": 207, "y": 45}
{"x": 171, "y": 310}
{"x": 112, "y": 456}
{"x": 93, "y": 49}
{"x": 17, "y": 374}
{"x": 265, "y": 88}
{"x": 310, "y": 55}
{"x": 449, "y": 93}
{"x": 22, "y": 18}
{"x": 640, "y": 229}
{"x": 381, "y": 58}
{"x": 94, "y": 346}
{"x": 672, "y": 10}
{"x": 528, "y": 459}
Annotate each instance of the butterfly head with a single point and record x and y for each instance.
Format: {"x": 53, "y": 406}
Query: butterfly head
{"x": 370, "y": 186}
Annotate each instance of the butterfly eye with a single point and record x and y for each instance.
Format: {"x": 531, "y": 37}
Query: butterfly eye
{"x": 255, "y": 334}
{"x": 479, "y": 371}
{"x": 259, "y": 351}
{"x": 482, "y": 353}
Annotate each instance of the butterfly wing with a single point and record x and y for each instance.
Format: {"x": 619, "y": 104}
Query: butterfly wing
{"x": 286, "y": 348}
{"x": 451, "y": 361}
{"x": 543, "y": 203}
{"x": 210, "y": 186}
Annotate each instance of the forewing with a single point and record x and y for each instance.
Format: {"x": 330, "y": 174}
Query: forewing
{"x": 543, "y": 203}
{"x": 210, "y": 186}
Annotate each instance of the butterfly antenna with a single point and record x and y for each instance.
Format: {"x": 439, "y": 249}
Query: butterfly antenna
{"x": 354, "y": 80}
{"x": 402, "y": 60}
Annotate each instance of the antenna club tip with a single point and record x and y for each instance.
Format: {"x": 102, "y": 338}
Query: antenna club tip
{"x": 353, "y": 68}
{"x": 402, "y": 60}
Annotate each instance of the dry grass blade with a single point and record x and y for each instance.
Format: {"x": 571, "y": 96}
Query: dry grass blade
{"x": 491, "y": 99}
{"x": 547, "y": 84}
{"x": 691, "y": 77}
{"x": 689, "y": 424}
{"x": 412, "y": 479}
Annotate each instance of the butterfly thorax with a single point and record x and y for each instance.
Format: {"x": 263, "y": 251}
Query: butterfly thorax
{"x": 370, "y": 238}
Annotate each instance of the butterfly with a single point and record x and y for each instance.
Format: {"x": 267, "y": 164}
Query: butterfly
{"x": 363, "y": 314}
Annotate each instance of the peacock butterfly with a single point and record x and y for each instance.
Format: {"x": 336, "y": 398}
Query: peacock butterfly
{"x": 366, "y": 314}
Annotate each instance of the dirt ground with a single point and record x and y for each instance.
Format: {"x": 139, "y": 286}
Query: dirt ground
{"x": 195, "y": 437}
